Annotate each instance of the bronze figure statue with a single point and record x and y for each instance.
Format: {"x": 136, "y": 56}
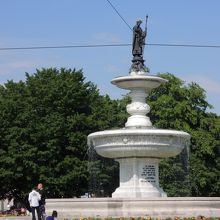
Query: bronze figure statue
{"x": 138, "y": 47}
{"x": 138, "y": 39}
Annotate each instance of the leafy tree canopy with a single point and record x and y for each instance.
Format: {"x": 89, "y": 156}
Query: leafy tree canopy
{"x": 44, "y": 126}
{"x": 195, "y": 172}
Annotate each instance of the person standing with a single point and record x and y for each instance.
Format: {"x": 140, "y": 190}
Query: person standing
{"x": 42, "y": 202}
{"x": 34, "y": 198}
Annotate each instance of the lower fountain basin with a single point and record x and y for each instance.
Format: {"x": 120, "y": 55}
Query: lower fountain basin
{"x": 150, "y": 143}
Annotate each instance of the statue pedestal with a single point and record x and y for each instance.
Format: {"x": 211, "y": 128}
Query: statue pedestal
{"x": 138, "y": 178}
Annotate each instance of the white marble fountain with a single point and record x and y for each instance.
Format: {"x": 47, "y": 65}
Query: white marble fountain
{"x": 138, "y": 147}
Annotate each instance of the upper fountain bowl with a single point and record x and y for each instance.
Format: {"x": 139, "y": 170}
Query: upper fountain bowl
{"x": 124, "y": 143}
{"x": 138, "y": 81}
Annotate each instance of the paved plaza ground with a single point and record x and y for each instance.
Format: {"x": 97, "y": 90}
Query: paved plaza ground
{"x": 16, "y": 218}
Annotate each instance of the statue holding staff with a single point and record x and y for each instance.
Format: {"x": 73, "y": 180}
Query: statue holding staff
{"x": 138, "y": 44}
{"x": 138, "y": 39}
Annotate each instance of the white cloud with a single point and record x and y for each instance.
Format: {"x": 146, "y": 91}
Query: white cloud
{"x": 11, "y": 67}
{"x": 210, "y": 85}
{"x": 112, "y": 68}
{"x": 105, "y": 37}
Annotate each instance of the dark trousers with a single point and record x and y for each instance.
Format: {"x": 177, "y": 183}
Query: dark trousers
{"x": 42, "y": 212}
{"x": 33, "y": 209}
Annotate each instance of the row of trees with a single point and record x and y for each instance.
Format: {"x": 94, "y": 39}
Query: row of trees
{"x": 45, "y": 121}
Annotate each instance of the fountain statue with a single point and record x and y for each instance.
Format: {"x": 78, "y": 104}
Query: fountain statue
{"x": 138, "y": 147}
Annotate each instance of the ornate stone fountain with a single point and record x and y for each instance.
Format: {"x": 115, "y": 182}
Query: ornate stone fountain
{"x": 138, "y": 147}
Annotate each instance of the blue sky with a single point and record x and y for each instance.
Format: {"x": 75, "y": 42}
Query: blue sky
{"x": 26, "y": 23}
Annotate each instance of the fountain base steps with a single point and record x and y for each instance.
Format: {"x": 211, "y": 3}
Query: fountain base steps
{"x": 130, "y": 207}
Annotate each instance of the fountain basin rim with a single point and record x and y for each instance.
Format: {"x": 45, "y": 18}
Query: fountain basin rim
{"x": 136, "y": 131}
{"x": 149, "y": 143}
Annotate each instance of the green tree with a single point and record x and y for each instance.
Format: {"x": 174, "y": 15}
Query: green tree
{"x": 44, "y": 126}
{"x": 175, "y": 105}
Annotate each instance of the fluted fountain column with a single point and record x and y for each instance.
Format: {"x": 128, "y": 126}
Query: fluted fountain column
{"x": 138, "y": 109}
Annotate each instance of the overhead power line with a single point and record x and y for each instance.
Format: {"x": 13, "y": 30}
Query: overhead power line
{"x": 105, "y": 45}
{"x": 119, "y": 14}
{"x": 184, "y": 45}
{"x": 166, "y": 45}
{"x": 63, "y": 46}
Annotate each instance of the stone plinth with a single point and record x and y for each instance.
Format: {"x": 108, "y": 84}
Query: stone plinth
{"x": 139, "y": 178}
{"x": 130, "y": 207}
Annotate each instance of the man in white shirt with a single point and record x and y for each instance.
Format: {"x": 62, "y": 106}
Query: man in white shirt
{"x": 34, "y": 198}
